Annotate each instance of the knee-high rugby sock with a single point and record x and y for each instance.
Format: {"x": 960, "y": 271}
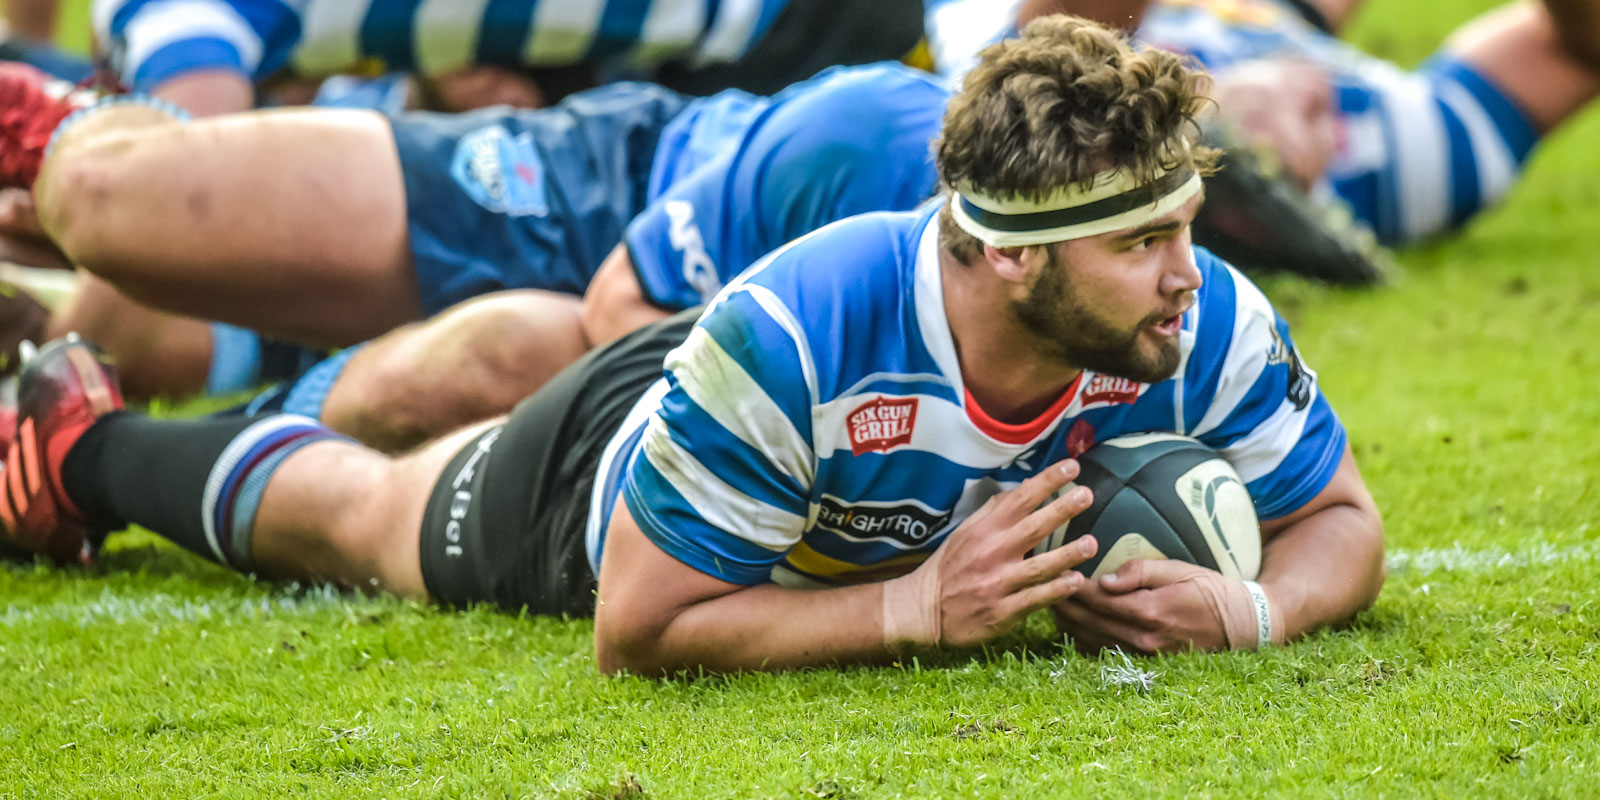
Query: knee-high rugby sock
{"x": 196, "y": 482}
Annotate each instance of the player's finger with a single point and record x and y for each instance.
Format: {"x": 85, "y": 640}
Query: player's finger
{"x": 1050, "y": 564}
{"x": 1107, "y": 605}
{"x": 1029, "y": 494}
{"x": 1140, "y": 573}
{"x": 1052, "y": 515}
{"x": 1087, "y": 626}
{"x": 1020, "y": 604}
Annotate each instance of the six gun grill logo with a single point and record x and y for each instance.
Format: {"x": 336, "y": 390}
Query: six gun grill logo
{"x": 1110, "y": 390}
{"x": 882, "y": 424}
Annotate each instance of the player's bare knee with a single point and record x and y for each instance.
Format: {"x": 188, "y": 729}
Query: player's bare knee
{"x": 514, "y": 338}
{"x": 376, "y": 401}
{"x": 365, "y": 531}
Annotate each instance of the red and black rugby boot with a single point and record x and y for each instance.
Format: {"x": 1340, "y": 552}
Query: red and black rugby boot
{"x": 32, "y": 104}
{"x": 62, "y": 390}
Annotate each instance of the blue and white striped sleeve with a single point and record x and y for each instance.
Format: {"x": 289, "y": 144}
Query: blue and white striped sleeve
{"x": 1248, "y": 394}
{"x": 722, "y": 475}
{"x": 153, "y": 41}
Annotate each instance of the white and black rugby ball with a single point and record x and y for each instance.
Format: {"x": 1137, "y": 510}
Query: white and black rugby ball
{"x": 1158, "y": 496}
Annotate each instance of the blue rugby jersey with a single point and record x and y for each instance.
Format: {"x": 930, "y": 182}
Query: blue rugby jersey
{"x": 155, "y": 40}
{"x": 1419, "y": 152}
{"x": 735, "y": 176}
{"x": 814, "y": 429}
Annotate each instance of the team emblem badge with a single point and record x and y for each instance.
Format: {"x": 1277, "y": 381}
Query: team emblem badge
{"x": 501, "y": 172}
{"x": 1080, "y": 437}
{"x": 881, "y": 424}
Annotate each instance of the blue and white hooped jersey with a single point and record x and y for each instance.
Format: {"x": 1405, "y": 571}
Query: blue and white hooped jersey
{"x": 155, "y": 40}
{"x": 1419, "y": 152}
{"x": 736, "y": 176}
{"x": 814, "y": 428}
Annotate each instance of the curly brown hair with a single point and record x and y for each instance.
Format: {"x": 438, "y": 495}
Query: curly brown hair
{"x": 1066, "y": 100}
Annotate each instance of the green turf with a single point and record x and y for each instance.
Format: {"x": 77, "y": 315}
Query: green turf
{"x": 1469, "y": 391}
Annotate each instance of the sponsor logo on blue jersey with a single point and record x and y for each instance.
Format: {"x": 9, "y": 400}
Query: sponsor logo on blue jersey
{"x": 699, "y": 270}
{"x": 501, "y": 172}
{"x": 910, "y": 524}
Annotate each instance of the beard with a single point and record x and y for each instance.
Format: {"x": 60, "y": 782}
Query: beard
{"x": 1067, "y": 329}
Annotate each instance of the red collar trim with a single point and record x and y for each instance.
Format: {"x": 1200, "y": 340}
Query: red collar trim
{"x": 1025, "y": 432}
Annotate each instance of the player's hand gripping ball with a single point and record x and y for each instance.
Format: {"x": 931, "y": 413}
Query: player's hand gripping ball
{"x": 1158, "y": 496}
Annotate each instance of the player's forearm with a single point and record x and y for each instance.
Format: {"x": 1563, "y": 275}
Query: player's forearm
{"x": 1324, "y": 569}
{"x": 763, "y": 627}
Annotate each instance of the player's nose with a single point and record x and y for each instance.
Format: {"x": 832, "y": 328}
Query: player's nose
{"x": 1181, "y": 273}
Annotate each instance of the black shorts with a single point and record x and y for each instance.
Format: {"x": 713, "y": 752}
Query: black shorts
{"x": 505, "y": 523}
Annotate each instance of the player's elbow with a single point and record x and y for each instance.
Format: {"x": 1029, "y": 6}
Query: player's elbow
{"x": 626, "y": 642}
{"x": 615, "y": 654}
{"x": 1367, "y": 529}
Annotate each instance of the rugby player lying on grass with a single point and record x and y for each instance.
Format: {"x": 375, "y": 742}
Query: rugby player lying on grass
{"x": 331, "y": 227}
{"x": 947, "y": 361}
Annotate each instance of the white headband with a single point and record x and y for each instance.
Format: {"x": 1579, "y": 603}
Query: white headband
{"x": 1111, "y": 201}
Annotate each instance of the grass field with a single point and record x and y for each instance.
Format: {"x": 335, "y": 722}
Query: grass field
{"x": 1470, "y": 392}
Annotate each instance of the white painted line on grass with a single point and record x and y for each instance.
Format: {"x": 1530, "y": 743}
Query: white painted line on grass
{"x": 1457, "y": 558}
{"x": 291, "y": 601}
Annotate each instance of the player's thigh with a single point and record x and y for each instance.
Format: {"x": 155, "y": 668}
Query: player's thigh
{"x": 242, "y": 216}
{"x": 1517, "y": 48}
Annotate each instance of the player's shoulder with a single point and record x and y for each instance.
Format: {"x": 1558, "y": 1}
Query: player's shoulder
{"x": 843, "y": 293}
{"x": 845, "y": 265}
{"x": 1226, "y": 304}
{"x": 869, "y": 102}
{"x": 876, "y": 76}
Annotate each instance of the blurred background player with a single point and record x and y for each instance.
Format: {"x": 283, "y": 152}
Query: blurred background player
{"x": 341, "y": 225}
{"x": 1410, "y": 153}
{"x": 208, "y": 55}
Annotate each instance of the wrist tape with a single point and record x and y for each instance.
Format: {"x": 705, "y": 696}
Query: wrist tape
{"x": 911, "y": 608}
{"x": 1263, "y": 612}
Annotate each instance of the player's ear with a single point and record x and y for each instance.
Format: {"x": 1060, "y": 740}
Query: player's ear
{"x": 1006, "y": 262}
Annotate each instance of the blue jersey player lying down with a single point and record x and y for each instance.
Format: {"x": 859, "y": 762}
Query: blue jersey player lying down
{"x": 683, "y": 507}
{"x": 329, "y": 227}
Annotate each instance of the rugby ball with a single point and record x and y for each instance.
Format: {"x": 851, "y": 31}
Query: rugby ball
{"x": 1158, "y": 496}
